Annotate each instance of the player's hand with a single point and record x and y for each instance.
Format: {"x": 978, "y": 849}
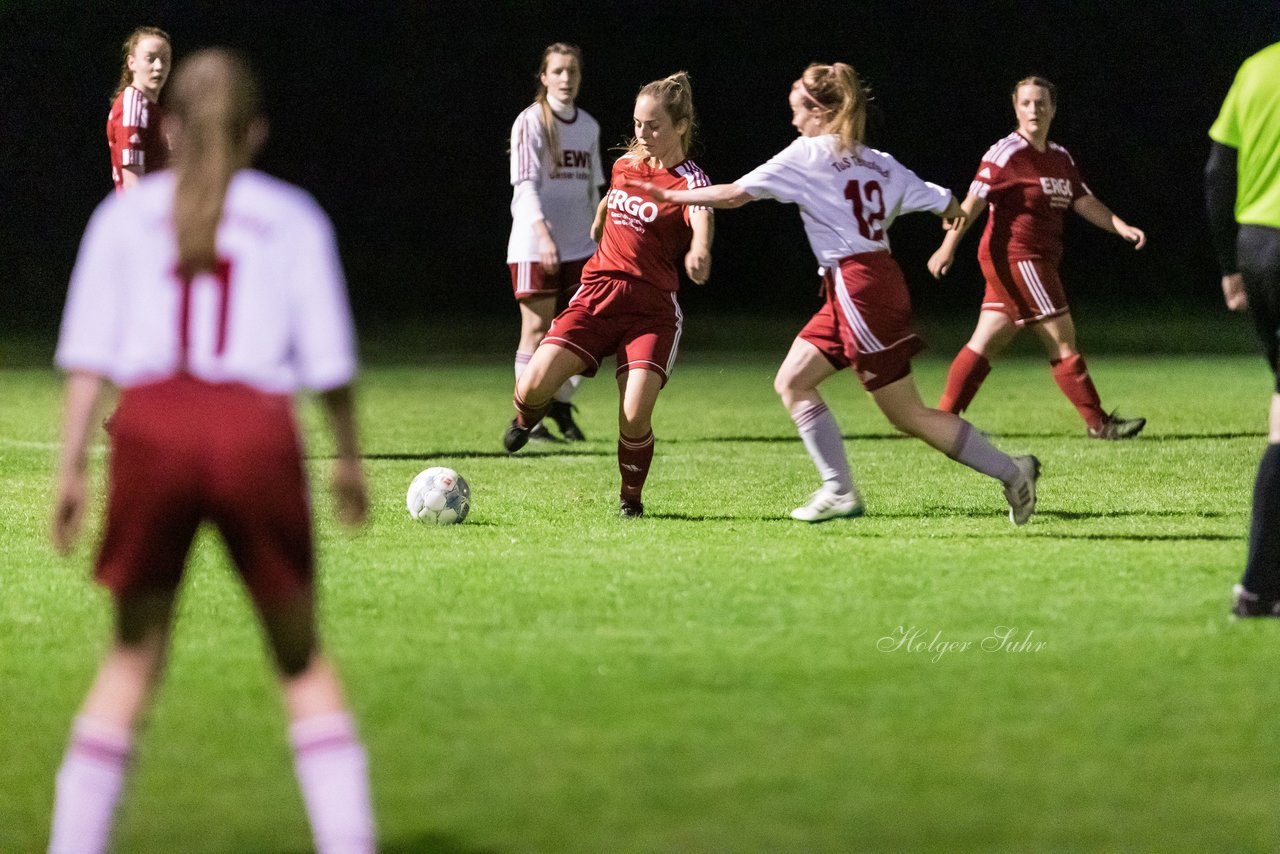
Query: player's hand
{"x": 697, "y": 263}
{"x": 940, "y": 262}
{"x": 652, "y": 190}
{"x": 1233, "y": 292}
{"x": 549, "y": 255}
{"x": 1136, "y": 236}
{"x": 350, "y": 493}
{"x": 955, "y": 222}
{"x": 68, "y": 511}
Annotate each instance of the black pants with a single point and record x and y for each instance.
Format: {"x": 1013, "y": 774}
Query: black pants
{"x": 1258, "y": 248}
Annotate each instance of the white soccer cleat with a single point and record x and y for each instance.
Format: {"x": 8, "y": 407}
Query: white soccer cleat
{"x": 1021, "y": 494}
{"x": 826, "y": 504}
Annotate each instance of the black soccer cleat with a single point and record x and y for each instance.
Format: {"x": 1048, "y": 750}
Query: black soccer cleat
{"x": 630, "y": 509}
{"x": 1248, "y": 604}
{"x": 562, "y": 413}
{"x": 1116, "y": 428}
{"x": 515, "y": 437}
{"x": 540, "y": 433}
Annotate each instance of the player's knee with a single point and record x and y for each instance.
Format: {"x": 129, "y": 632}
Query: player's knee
{"x": 293, "y": 659}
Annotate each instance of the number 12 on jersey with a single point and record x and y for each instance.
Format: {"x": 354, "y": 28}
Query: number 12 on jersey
{"x": 868, "y": 207}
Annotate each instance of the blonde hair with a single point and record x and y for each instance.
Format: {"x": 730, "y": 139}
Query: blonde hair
{"x": 837, "y": 89}
{"x": 675, "y": 94}
{"x": 551, "y": 130}
{"x": 214, "y": 98}
{"x": 1035, "y": 80}
{"x": 126, "y": 51}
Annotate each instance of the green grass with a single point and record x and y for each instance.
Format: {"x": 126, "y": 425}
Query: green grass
{"x": 546, "y": 677}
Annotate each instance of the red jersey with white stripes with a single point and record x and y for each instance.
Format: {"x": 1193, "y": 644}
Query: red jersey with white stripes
{"x": 134, "y": 134}
{"x": 644, "y": 240}
{"x": 1029, "y": 192}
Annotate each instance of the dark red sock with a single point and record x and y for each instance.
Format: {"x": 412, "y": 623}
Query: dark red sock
{"x": 634, "y": 457}
{"x": 968, "y": 370}
{"x": 1073, "y": 378}
{"x": 528, "y": 416}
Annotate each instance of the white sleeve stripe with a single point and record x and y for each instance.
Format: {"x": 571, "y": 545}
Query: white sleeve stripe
{"x": 979, "y": 189}
{"x": 133, "y": 157}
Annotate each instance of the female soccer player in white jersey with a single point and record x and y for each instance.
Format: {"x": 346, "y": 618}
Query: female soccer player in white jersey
{"x": 848, "y": 196}
{"x": 556, "y": 173}
{"x": 1030, "y": 184}
{"x": 208, "y": 295}
{"x": 135, "y": 135}
{"x": 627, "y": 304}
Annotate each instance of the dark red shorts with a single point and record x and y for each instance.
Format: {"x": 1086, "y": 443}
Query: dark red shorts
{"x": 865, "y": 322}
{"x": 636, "y": 322}
{"x": 184, "y": 451}
{"x": 528, "y": 279}
{"x": 1026, "y": 289}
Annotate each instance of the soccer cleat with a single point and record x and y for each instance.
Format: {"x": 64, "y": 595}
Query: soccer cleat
{"x": 561, "y": 412}
{"x": 1021, "y": 494}
{"x": 515, "y": 437}
{"x": 1116, "y": 428}
{"x": 630, "y": 509}
{"x": 540, "y": 433}
{"x": 826, "y": 504}
{"x": 1246, "y": 604}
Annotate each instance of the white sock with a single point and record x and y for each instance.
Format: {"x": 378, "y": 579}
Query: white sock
{"x": 821, "y": 436}
{"x": 973, "y": 450}
{"x": 88, "y": 787}
{"x": 564, "y": 394}
{"x": 522, "y": 362}
{"x": 333, "y": 772}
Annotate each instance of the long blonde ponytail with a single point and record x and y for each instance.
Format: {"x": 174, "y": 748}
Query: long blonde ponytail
{"x": 837, "y": 89}
{"x": 214, "y": 99}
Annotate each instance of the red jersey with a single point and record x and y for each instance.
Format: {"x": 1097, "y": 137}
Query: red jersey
{"x": 1030, "y": 193}
{"x": 134, "y": 134}
{"x": 644, "y": 240}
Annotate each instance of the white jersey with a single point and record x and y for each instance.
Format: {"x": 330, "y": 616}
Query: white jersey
{"x": 847, "y": 200}
{"x": 275, "y": 316}
{"x": 566, "y": 195}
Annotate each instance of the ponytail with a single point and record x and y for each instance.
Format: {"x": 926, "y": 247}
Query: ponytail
{"x": 214, "y": 99}
{"x": 837, "y": 89}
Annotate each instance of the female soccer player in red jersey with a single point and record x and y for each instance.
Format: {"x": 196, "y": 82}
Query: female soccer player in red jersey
{"x": 208, "y": 319}
{"x": 1030, "y": 184}
{"x": 555, "y": 170}
{"x": 627, "y": 303}
{"x": 848, "y": 196}
{"x": 135, "y": 134}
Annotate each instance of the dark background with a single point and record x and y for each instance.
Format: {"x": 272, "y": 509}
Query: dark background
{"x": 396, "y": 117}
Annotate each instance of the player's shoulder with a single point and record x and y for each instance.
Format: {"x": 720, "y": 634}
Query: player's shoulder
{"x": 1005, "y": 149}
{"x": 691, "y": 171}
{"x": 1061, "y": 151}
{"x": 266, "y": 198}
{"x": 587, "y": 119}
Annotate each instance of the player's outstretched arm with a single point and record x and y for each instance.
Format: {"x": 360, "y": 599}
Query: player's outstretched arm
{"x": 1095, "y": 212}
{"x": 348, "y": 474}
{"x": 969, "y": 210}
{"x": 79, "y": 407}
{"x": 713, "y": 196}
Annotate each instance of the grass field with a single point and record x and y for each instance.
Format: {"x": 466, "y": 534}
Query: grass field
{"x": 714, "y": 677}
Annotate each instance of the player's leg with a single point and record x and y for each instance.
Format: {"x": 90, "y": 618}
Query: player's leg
{"x": 796, "y": 383}
{"x": 93, "y": 769}
{"x": 536, "y": 313}
{"x": 961, "y": 441}
{"x": 993, "y": 332}
{"x": 562, "y": 406}
{"x": 1258, "y": 593}
{"x": 329, "y": 758}
{"x": 550, "y": 366}
{"x": 637, "y": 395}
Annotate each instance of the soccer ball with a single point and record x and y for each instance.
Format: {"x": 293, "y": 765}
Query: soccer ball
{"x": 438, "y": 496}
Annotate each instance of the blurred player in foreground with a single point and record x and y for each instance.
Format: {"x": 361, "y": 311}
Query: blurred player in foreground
{"x": 848, "y": 196}
{"x": 1242, "y": 187}
{"x": 627, "y": 303}
{"x": 208, "y": 295}
{"x": 1030, "y": 184}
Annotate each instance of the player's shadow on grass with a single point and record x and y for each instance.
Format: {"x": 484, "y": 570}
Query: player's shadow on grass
{"x": 425, "y": 843}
